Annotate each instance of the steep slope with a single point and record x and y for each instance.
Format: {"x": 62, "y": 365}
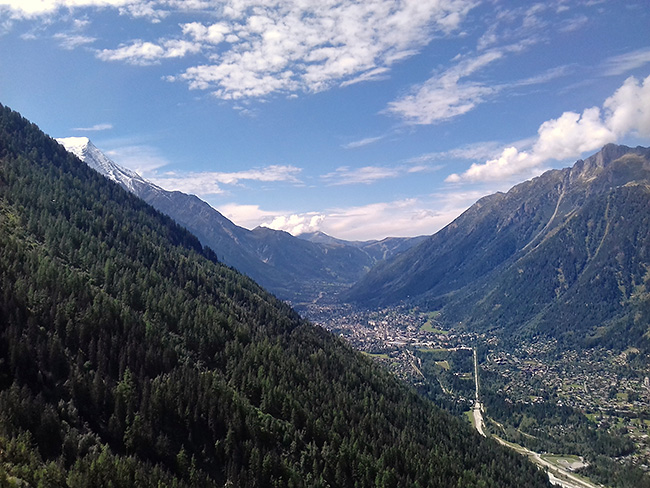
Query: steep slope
{"x": 293, "y": 269}
{"x": 545, "y": 252}
{"x": 130, "y": 357}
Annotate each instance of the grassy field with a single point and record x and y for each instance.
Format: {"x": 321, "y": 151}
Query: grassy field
{"x": 470, "y": 416}
{"x": 429, "y": 324}
{"x": 444, "y": 365}
{"x": 375, "y": 355}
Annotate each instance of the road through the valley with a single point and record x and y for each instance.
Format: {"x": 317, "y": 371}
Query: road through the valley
{"x": 557, "y": 475}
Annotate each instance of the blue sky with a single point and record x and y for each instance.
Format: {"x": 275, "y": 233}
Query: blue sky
{"x": 360, "y": 119}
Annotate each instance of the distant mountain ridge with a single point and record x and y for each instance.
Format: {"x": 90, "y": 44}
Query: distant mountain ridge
{"x": 378, "y": 250}
{"x": 295, "y": 269}
{"x": 565, "y": 253}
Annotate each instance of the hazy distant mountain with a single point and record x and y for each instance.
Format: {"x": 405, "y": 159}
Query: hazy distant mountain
{"x": 377, "y": 250}
{"x": 293, "y": 269}
{"x": 566, "y": 253}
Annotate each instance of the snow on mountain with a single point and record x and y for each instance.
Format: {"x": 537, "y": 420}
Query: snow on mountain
{"x": 93, "y": 157}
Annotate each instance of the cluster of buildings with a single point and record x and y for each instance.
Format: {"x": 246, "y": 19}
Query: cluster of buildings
{"x": 608, "y": 387}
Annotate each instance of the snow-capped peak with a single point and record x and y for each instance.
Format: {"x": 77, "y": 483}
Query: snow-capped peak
{"x": 93, "y": 157}
{"x": 75, "y": 145}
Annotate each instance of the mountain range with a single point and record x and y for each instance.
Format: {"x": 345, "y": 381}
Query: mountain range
{"x": 564, "y": 254}
{"x": 130, "y": 356}
{"x": 545, "y": 257}
{"x": 297, "y": 269}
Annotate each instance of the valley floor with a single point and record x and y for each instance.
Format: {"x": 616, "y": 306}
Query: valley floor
{"x": 610, "y": 392}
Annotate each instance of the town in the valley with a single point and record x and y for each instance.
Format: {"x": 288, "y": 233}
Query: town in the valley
{"x": 608, "y": 388}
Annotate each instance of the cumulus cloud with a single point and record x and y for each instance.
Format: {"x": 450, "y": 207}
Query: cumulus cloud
{"x": 33, "y": 8}
{"x": 292, "y": 45}
{"x": 259, "y": 47}
{"x": 247, "y": 216}
{"x": 422, "y": 215}
{"x": 626, "y": 112}
{"x": 22, "y": 9}
{"x": 399, "y": 218}
{"x": 296, "y": 224}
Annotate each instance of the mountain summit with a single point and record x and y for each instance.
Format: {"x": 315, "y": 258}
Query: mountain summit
{"x": 85, "y": 150}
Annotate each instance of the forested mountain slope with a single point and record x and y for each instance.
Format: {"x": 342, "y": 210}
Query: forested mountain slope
{"x": 294, "y": 269}
{"x": 130, "y": 357}
{"x": 564, "y": 254}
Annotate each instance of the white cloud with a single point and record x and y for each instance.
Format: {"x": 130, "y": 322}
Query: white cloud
{"x": 213, "y": 34}
{"x": 445, "y": 96}
{"x": 521, "y": 26}
{"x": 247, "y": 216}
{"x": 145, "y": 53}
{"x": 472, "y": 152}
{"x": 399, "y": 218}
{"x": 142, "y": 159}
{"x": 26, "y": 9}
{"x": 209, "y": 182}
{"x": 365, "y": 175}
{"x": 372, "y": 75}
{"x": 296, "y": 224}
{"x": 73, "y": 41}
{"x": 626, "y": 112}
{"x": 362, "y": 142}
{"x": 270, "y": 173}
{"x": 94, "y": 128}
{"x": 34, "y": 8}
{"x": 200, "y": 184}
{"x": 624, "y": 63}
{"x": 574, "y": 23}
{"x": 147, "y": 9}
{"x": 259, "y": 47}
{"x": 458, "y": 90}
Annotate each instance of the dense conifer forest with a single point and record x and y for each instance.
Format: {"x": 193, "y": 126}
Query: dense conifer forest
{"x": 129, "y": 356}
